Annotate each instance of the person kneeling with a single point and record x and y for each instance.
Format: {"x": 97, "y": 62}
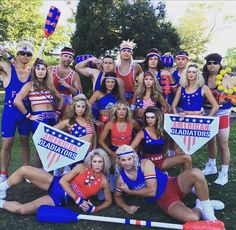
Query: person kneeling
{"x": 82, "y": 182}
{"x": 141, "y": 178}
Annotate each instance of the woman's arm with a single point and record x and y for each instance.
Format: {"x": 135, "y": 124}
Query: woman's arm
{"x": 163, "y": 104}
{"x": 137, "y": 140}
{"x": 176, "y": 100}
{"x": 103, "y": 137}
{"x": 60, "y": 99}
{"x": 208, "y": 94}
{"x": 62, "y": 124}
{"x": 94, "y": 97}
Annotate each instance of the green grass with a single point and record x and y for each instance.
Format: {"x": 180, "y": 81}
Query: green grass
{"x": 27, "y": 192}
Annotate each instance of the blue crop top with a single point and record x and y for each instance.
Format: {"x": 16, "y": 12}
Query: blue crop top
{"x": 192, "y": 101}
{"x": 139, "y": 182}
{"x": 151, "y": 146}
{"x": 98, "y": 82}
{"x": 106, "y": 102}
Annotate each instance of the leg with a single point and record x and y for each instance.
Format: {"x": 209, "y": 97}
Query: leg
{"x": 25, "y": 149}
{"x": 37, "y": 176}
{"x": 38, "y": 163}
{"x": 180, "y": 212}
{"x": 212, "y": 149}
{"x": 170, "y": 162}
{"x": 28, "y": 208}
{"x": 7, "y": 144}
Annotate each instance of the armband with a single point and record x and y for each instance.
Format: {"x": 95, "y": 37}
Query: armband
{"x": 28, "y": 115}
{"x": 91, "y": 208}
{"x": 78, "y": 200}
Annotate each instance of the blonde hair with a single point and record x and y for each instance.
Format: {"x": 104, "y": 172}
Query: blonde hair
{"x": 25, "y": 45}
{"x": 71, "y": 114}
{"x": 156, "y": 88}
{"x": 199, "y": 79}
{"x": 115, "y": 108}
{"x": 123, "y": 149}
{"x": 106, "y": 159}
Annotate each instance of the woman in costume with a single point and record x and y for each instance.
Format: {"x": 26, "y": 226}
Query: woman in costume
{"x": 42, "y": 96}
{"x": 106, "y": 98}
{"x": 151, "y": 142}
{"x": 82, "y": 182}
{"x": 149, "y": 93}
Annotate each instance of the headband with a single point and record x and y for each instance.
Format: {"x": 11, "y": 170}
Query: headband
{"x": 125, "y": 153}
{"x": 110, "y": 77}
{"x": 68, "y": 53}
{"x": 126, "y": 48}
{"x": 150, "y": 114}
{"x": 24, "y": 49}
{"x": 182, "y": 55}
{"x": 40, "y": 66}
{"x": 153, "y": 54}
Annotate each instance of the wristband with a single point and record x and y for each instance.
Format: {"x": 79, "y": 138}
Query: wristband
{"x": 78, "y": 200}
{"x": 95, "y": 120}
{"x": 91, "y": 209}
{"x": 28, "y": 115}
{"x": 133, "y": 107}
{"x": 58, "y": 111}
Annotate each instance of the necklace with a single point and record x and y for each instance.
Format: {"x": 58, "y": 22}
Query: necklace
{"x": 219, "y": 79}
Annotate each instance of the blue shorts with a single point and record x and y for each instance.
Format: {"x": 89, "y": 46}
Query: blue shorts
{"x": 56, "y": 192}
{"x": 49, "y": 118}
{"x": 12, "y": 118}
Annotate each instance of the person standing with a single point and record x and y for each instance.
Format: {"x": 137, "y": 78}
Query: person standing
{"x": 127, "y": 70}
{"x": 65, "y": 79}
{"x": 15, "y": 76}
{"x": 211, "y": 69}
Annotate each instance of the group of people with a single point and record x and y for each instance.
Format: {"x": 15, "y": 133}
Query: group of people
{"x": 122, "y": 121}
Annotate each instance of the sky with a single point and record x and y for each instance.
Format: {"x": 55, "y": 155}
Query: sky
{"x": 223, "y": 39}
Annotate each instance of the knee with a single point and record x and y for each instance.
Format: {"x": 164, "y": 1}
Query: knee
{"x": 24, "y": 169}
{"x": 187, "y": 158}
{"x": 21, "y": 210}
{"x": 197, "y": 174}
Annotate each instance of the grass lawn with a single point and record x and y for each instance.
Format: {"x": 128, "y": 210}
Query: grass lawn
{"x": 27, "y": 192}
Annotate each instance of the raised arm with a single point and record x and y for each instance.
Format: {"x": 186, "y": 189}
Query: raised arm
{"x": 137, "y": 140}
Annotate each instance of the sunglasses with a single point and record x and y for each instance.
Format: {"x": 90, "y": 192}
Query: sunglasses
{"x": 23, "y": 53}
{"x": 212, "y": 63}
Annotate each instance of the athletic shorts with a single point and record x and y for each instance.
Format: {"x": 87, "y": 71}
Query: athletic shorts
{"x": 56, "y": 192}
{"x": 224, "y": 121}
{"x": 12, "y": 118}
{"x": 157, "y": 159}
{"x": 49, "y": 118}
{"x": 172, "y": 194}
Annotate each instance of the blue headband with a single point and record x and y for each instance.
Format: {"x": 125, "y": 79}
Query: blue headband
{"x": 125, "y": 153}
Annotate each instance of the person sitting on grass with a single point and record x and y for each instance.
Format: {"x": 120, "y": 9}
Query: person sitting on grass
{"x": 141, "y": 178}
{"x": 82, "y": 182}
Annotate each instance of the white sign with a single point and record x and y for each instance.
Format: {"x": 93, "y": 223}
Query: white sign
{"x": 191, "y": 132}
{"x": 56, "y": 148}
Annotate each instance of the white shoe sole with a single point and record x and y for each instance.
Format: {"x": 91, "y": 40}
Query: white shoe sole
{"x": 217, "y": 205}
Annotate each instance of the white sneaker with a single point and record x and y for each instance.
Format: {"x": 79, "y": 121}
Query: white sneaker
{"x": 222, "y": 178}
{"x": 215, "y": 204}
{"x": 208, "y": 214}
{"x": 209, "y": 169}
{"x": 3, "y": 178}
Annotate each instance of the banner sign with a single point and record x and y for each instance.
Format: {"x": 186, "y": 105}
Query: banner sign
{"x": 191, "y": 132}
{"x": 56, "y": 148}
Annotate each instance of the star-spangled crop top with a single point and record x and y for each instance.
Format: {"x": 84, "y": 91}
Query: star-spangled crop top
{"x": 80, "y": 131}
{"x": 121, "y": 138}
{"x": 106, "y": 101}
{"x": 151, "y": 146}
{"x": 192, "y": 101}
{"x": 144, "y": 104}
{"x": 139, "y": 182}
{"x": 40, "y": 98}
{"x": 86, "y": 184}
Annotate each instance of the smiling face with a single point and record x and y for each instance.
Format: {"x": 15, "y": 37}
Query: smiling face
{"x": 97, "y": 163}
{"x": 40, "y": 71}
{"x": 66, "y": 59}
{"x": 24, "y": 57}
{"x": 80, "y": 108}
{"x": 213, "y": 66}
{"x": 110, "y": 84}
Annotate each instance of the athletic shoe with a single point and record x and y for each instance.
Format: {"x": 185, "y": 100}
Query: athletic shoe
{"x": 222, "y": 178}
{"x": 3, "y": 178}
{"x": 215, "y": 204}
{"x": 209, "y": 169}
{"x": 208, "y": 214}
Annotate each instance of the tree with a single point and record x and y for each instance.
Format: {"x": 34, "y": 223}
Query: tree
{"x": 21, "y": 19}
{"x": 230, "y": 58}
{"x": 101, "y": 25}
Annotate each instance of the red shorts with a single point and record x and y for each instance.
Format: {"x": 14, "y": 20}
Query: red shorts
{"x": 172, "y": 194}
{"x": 224, "y": 121}
{"x": 157, "y": 159}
